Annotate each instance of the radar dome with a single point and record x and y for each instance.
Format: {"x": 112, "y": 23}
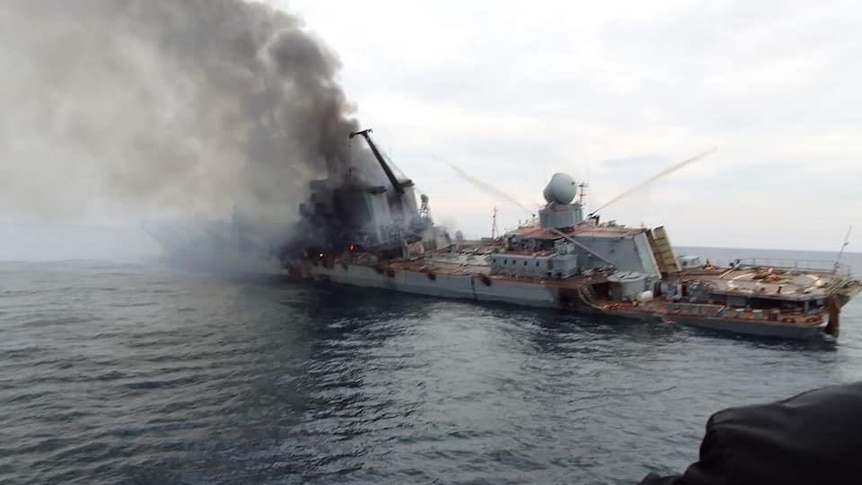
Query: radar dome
{"x": 561, "y": 189}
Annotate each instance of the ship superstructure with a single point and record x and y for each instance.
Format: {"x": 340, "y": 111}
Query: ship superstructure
{"x": 344, "y": 210}
{"x": 377, "y": 236}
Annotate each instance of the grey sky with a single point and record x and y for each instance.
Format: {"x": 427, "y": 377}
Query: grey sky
{"x": 513, "y": 91}
{"x": 610, "y": 92}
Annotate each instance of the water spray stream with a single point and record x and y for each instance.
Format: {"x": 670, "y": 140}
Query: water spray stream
{"x": 484, "y": 186}
{"x": 663, "y": 173}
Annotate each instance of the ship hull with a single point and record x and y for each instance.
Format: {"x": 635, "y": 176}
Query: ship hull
{"x": 755, "y": 328}
{"x": 478, "y": 287}
{"x": 758, "y": 328}
{"x": 443, "y": 285}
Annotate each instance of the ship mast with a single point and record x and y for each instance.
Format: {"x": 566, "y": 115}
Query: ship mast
{"x": 494, "y": 224}
{"x": 841, "y": 251}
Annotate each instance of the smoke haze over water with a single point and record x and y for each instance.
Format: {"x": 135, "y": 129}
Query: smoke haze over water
{"x": 155, "y": 107}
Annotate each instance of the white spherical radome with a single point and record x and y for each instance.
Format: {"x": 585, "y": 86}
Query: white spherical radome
{"x": 561, "y": 189}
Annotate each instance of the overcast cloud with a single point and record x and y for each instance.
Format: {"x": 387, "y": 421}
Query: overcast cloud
{"x": 612, "y": 92}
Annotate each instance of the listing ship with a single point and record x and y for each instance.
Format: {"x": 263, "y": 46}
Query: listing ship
{"x": 371, "y": 235}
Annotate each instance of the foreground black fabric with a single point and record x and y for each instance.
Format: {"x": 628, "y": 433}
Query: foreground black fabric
{"x": 812, "y": 438}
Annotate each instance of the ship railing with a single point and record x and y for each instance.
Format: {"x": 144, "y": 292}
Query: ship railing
{"x": 705, "y": 309}
{"x": 819, "y": 266}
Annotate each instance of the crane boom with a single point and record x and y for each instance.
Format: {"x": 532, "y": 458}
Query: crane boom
{"x": 389, "y": 174}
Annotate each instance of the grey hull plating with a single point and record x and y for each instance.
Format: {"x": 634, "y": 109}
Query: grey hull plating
{"x": 465, "y": 286}
{"x": 758, "y": 328}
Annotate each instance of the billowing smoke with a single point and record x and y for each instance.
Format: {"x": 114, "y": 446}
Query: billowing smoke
{"x": 145, "y": 107}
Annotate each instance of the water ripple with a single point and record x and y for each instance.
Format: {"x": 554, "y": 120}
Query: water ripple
{"x": 135, "y": 374}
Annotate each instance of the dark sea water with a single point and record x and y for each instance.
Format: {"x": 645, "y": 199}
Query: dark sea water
{"x": 136, "y": 373}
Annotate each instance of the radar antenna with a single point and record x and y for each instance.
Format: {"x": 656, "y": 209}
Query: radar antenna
{"x": 667, "y": 171}
{"x": 841, "y": 251}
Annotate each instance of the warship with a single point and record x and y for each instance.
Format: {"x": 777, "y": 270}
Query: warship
{"x": 352, "y": 232}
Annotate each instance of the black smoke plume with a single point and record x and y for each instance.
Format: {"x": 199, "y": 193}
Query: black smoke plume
{"x": 146, "y": 107}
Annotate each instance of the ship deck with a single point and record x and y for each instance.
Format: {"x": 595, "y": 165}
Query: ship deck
{"x": 582, "y": 230}
{"x": 774, "y": 284}
{"x": 473, "y": 258}
{"x": 702, "y": 311}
